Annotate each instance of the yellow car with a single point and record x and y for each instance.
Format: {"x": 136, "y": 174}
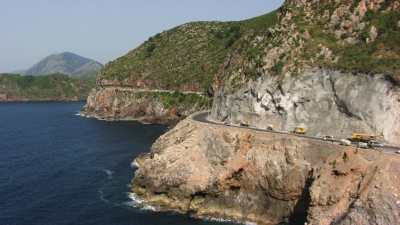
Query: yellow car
{"x": 299, "y": 130}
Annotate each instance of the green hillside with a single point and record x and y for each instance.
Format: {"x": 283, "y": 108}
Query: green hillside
{"x": 353, "y": 50}
{"x": 186, "y": 57}
{"x": 339, "y": 35}
{"x": 48, "y": 87}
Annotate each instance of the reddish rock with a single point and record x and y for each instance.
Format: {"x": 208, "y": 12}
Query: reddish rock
{"x": 210, "y": 170}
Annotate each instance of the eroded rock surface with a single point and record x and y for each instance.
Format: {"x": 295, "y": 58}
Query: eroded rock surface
{"x": 126, "y": 103}
{"x": 356, "y": 189}
{"x": 326, "y": 102}
{"x": 218, "y": 171}
{"x": 116, "y": 104}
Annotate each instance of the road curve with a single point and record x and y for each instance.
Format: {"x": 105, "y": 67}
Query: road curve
{"x": 203, "y": 118}
{"x": 141, "y": 90}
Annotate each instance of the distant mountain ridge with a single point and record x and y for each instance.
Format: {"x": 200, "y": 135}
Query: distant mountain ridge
{"x": 66, "y": 63}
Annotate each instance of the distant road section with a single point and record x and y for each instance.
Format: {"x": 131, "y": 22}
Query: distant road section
{"x": 203, "y": 118}
{"x": 141, "y": 90}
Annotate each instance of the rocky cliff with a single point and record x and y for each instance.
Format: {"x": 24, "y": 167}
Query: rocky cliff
{"x": 183, "y": 60}
{"x": 329, "y": 66}
{"x": 154, "y": 106}
{"x": 349, "y": 37}
{"x": 217, "y": 171}
{"x": 326, "y": 102}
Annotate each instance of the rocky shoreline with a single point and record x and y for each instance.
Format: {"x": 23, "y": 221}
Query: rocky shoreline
{"x": 213, "y": 171}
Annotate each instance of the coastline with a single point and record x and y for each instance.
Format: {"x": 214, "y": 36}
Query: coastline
{"x": 41, "y": 100}
{"x": 143, "y": 120}
{"x": 142, "y": 204}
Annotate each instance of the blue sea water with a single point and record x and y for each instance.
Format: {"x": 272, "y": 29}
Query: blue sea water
{"x": 57, "y": 168}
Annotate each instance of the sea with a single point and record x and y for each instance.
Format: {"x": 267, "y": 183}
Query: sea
{"x": 57, "y": 168}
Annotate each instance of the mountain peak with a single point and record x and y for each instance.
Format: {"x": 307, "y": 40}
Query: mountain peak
{"x": 70, "y": 54}
{"x": 66, "y": 63}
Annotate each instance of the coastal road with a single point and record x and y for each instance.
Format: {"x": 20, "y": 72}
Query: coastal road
{"x": 141, "y": 90}
{"x": 203, "y": 118}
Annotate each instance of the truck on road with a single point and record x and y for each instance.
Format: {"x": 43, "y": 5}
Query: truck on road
{"x": 360, "y": 137}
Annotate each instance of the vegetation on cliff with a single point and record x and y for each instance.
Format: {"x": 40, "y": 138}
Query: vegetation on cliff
{"x": 352, "y": 36}
{"x": 355, "y": 36}
{"x": 186, "y": 57}
{"x": 14, "y": 87}
{"x": 364, "y": 40}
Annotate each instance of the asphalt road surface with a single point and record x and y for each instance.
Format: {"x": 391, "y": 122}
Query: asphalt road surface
{"x": 203, "y": 118}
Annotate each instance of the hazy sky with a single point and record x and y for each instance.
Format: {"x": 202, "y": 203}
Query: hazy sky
{"x": 102, "y": 29}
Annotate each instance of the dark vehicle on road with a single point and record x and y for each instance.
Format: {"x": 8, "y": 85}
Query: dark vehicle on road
{"x": 244, "y": 124}
{"x": 375, "y": 144}
{"x": 328, "y": 138}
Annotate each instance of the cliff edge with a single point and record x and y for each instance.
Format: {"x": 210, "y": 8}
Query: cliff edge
{"x": 173, "y": 71}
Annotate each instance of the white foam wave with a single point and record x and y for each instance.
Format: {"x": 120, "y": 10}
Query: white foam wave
{"x": 109, "y": 173}
{"x": 134, "y": 164}
{"x": 250, "y": 223}
{"x": 149, "y": 208}
{"x": 222, "y": 220}
{"x": 102, "y": 198}
{"x": 135, "y": 198}
{"x": 137, "y": 202}
{"x": 219, "y": 220}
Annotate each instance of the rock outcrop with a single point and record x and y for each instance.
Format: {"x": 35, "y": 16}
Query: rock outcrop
{"x": 151, "y": 106}
{"x": 356, "y": 188}
{"x": 217, "y": 171}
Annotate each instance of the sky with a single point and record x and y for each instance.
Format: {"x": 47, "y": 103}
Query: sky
{"x": 102, "y": 29}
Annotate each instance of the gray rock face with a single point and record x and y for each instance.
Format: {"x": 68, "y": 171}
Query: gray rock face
{"x": 65, "y": 63}
{"x": 325, "y": 102}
